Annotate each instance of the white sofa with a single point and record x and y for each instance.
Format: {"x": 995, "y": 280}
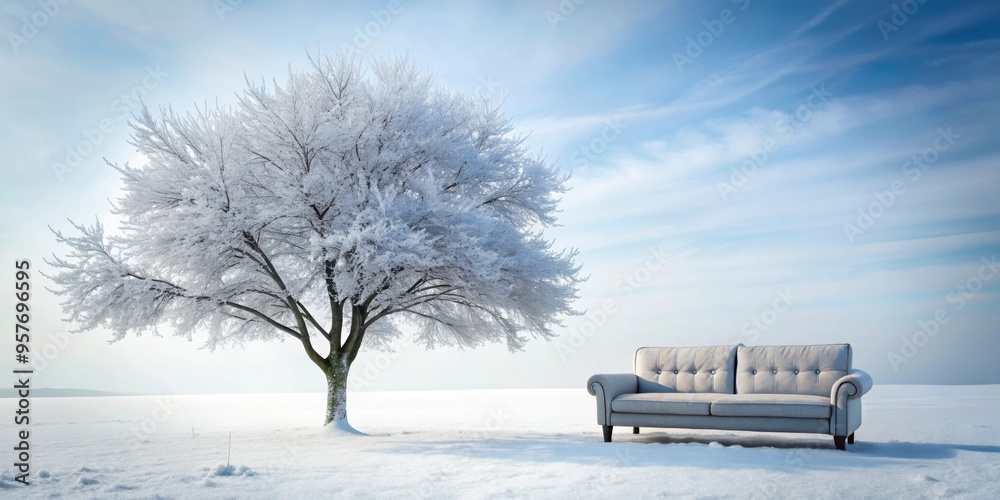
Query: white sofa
{"x": 792, "y": 388}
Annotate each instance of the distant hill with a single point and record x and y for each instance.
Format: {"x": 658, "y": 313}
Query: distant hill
{"x": 45, "y": 392}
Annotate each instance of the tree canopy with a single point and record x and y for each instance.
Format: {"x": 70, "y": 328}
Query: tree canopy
{"x": 332, "y": 209}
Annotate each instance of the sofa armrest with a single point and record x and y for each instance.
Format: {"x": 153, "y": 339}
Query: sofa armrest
{"x": 607, "y": 388}
{"x": 845, "y": 396}
{"x": 851, "y": 386}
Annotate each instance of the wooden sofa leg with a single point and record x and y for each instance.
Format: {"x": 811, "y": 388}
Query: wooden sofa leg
{"x": 850, "y": 439}
{"x": 607, "y": 433}
{"x": 635, "y": 430}
{"x": 839, "y": 441}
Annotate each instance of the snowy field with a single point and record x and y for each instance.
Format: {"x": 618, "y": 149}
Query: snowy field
{"x": 916, "y": 442}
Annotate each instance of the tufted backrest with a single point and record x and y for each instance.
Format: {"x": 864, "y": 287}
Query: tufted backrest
{"x": 686, "y": 369}
{"x": 791, "y": 369}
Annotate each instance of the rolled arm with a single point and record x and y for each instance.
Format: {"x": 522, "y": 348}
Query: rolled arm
{"x": 845, "y": 396}
{"x": 851, "y": 386}
{"x": 607, "y": 387}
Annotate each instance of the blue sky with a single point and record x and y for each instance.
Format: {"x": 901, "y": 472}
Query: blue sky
{"x": 742, "y": 171}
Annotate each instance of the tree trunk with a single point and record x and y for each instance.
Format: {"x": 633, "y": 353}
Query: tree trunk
{"x": 336, "y": 389}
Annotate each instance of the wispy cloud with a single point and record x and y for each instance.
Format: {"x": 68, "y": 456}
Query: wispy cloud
{"x": 817, "y": 19}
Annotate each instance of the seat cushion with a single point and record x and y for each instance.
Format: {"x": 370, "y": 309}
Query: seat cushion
{"x": 686, "y": 369}
{"x": 772, "y": 405}
{"x": 665, "y": 403}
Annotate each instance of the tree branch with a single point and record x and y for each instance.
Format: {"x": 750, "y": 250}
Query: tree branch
{"x": 321, "y": 362}
{"x": 354, "y": 340}
{"x": 264, "y": 317}
{"x": 308, "y": 315}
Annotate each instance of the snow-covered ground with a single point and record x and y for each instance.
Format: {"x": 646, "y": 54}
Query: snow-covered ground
{"x": 916, "y": 442}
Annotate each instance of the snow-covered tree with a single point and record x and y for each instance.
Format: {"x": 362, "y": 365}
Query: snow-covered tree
{"x": 331, "y": 210}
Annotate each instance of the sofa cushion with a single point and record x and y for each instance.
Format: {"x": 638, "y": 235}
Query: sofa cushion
{"x": 772, "y": 405}
{"x": 665, "y": 403}
{"x": 793, "y": 369}
{"x": 686, "y": 369}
